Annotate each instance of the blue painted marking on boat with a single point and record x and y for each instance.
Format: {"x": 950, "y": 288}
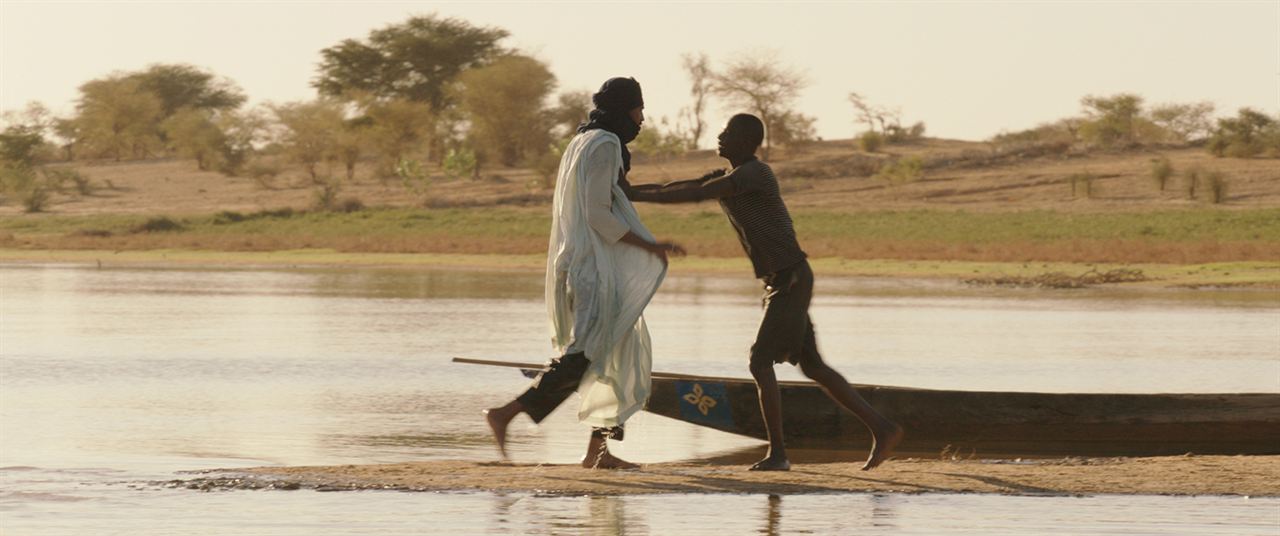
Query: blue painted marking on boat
{"x": 705, "y": 403}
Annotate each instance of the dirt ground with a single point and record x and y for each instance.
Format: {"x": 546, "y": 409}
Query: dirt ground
{"x": 829, "y": 174}
{"x": 1256, "y": 476}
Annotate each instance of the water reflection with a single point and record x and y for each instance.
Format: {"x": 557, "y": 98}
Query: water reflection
{"x": 608, "y": 515}
{"x": 144, "y": 372}
{"x": 414, "y": 284}
{"x": 773, "y": 516}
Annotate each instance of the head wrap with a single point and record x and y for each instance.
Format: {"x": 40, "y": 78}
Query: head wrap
{"x": 619, "y": 95}
{"x": 614, "y": 102}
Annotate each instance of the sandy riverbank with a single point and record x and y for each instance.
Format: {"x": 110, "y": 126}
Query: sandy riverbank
{"x": 1257, "y": 476}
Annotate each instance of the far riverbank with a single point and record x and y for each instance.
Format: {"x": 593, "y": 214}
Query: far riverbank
{"x": 1246, "y": 275}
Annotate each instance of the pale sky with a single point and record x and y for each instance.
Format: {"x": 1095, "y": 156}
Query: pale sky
{"x": 969, "y": 70}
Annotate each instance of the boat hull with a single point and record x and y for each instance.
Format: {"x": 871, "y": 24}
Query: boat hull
{"x": 983, "y": 423}
{"x": 991, "y": 423}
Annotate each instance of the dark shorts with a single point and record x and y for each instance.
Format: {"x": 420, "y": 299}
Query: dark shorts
{"x": 786, "y": 333}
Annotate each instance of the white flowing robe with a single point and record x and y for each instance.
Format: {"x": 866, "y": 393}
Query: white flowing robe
{"x": 597, "y": 287}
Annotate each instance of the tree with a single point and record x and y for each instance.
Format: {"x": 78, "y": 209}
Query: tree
{"x": 792, "y": 127}
{"x": 119, "y": 117}
{"x": 71, "y": 132}
{"x": 181, "y": 86}
{"x": 23, "y": 137}
{"x": 1184, "y": 122}
{"x": 889, "y": 120}
{"x": 350, "y": 145}
{"x": 415, "y": 60}
{"x": 658, "y": 142}
{"x": 761, "y": 85}
{"x": 698, "y": 68}
{"x": 215, "y": 140}
{"x": 504, "y": 104}
{"x": 22, "y": 155}
{"x": 126, "y": 113}
{"x": 1111, "y": 120}
{"x": 571, "y": 109}
{"x": 395, "y": 129}
{"x": 192, "y": 133}
{"x": 35, "y": 115}
{"x": 19, "y": 145}
{"x": 242, "y": 131}
{"x": 867, "y": 113}
{"x": 1247, "y": 134}
{"x": 309, "y": 135}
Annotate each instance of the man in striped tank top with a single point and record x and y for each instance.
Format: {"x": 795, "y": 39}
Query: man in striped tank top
{"x": 750, "y": 197}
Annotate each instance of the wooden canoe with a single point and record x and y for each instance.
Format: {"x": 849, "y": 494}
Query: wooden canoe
{"x": 981, "y": 423}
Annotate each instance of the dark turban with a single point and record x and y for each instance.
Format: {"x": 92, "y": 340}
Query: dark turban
{"x": 614, "y": 102}
{"x": 619, "y": 95}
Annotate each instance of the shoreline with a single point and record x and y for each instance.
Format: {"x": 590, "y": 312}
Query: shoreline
{"x": 1188, "y": 475}
{"x": 1255, "y": 275}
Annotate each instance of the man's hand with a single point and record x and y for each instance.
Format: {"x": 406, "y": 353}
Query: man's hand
{"x": 669, "y": 248}
{"x": 661, "y": 249}
{"x": 664, "y": 250}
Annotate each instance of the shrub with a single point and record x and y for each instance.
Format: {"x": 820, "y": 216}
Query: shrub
{"x": 789, "y": 128}
{"x": 1216, "y": 185}
{"x": 1191, "y": 180}
{"x": 902, "y": 171}
{"x": 1246, "y": 135}
{"x": 27, "y": 186}
{"x": 59, "y": 176}
{"x": 262, "y": 172}
{"x": 547, "y": 164}
{"x": 232, "y": 160}
{"x": 1048, "y": 138}
{"x": 1243, "y": 149}
{"x": 413, "y": 176}
{"x": 327, "y": 193}
{"x": 1082, "y": 184}
{"x": 1271, "y": 140}
{"x": 870, "y": 141}
{"x": 228, "y": 217}
{"x": 459, "y": 163}
{"x": 916, "y": 131}
{"x": 160, "y": 224}
{"x": 658, "y": 144}
{"x": 900, "y": 134}
{"x": 351, "y": 204}
{"x": 20, "y": 145}
{"x": 1217, "y": 146}
{"x": 36, "y": 199}
{"x": 1161, "y": 171}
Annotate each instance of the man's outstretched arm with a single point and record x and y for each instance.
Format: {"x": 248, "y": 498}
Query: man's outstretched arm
{"x": 713, "y": 185}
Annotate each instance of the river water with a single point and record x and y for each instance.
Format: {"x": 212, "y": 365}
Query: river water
{"x": 111, "y": 378}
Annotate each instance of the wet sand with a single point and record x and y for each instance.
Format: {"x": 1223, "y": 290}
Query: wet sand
{"x": 1174, "y": 475}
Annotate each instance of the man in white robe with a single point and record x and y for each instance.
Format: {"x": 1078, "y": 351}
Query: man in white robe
{"x": 603, "y": 267}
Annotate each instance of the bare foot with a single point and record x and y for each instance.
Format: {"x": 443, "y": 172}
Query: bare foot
{"x": 605, "y": 460}
{"x": 772, "y": 463}
{"x": 880, "y": 450}
{"x": 498, "y": 421}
